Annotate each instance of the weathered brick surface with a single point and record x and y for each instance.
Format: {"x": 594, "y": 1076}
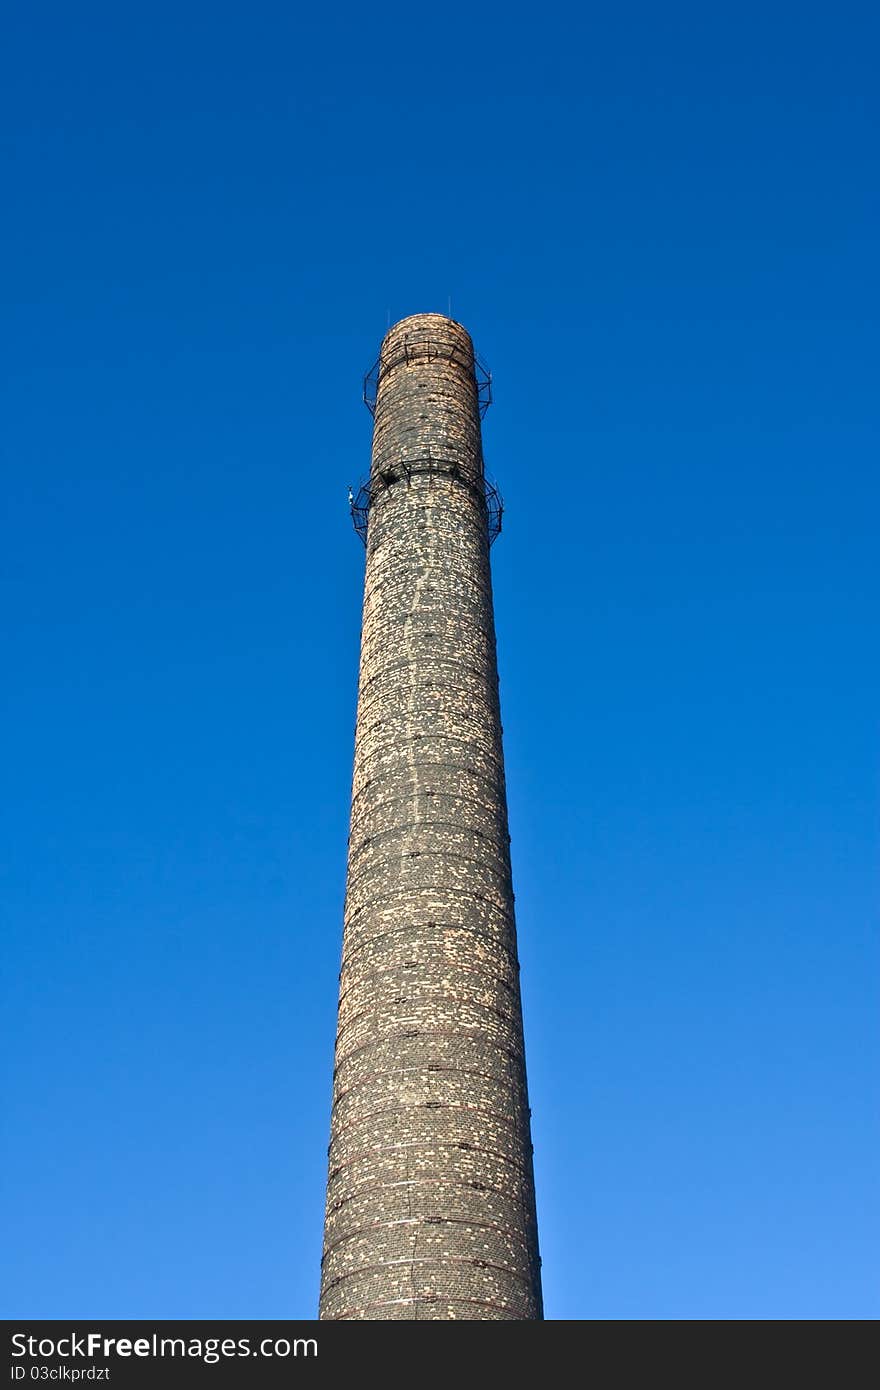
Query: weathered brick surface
{"x": 430, "y": 1197}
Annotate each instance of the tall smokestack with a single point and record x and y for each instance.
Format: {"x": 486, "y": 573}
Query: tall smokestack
{"x": 430, "y": 1194}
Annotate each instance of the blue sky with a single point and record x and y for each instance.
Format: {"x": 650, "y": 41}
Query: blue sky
{"x": 660, "y": 225}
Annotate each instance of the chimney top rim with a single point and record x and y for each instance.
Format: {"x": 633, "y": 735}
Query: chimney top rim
{"x": 427, "y": 320}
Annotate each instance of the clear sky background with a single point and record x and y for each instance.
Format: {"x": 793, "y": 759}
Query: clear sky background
{"x": 660, "y": 224}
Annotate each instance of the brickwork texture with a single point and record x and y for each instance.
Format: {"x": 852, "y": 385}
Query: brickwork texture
{"x": 430, "y": 1194}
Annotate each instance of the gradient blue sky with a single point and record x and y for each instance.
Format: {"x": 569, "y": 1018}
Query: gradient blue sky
{"x": 660, "y": 224}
